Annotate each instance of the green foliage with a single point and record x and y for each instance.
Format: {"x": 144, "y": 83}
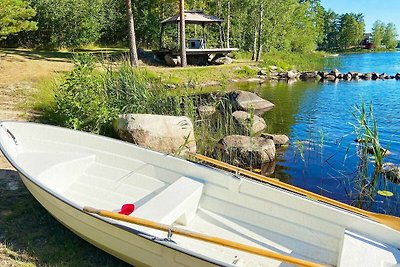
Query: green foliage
{"x": 67, "y": 23}
{"x": 378, "y": 30}
{"x": 15, "y": 17}
{"x": 351, "y": 30}
{"x": 367, "y": 135}
{"x": 294, "y": 61}
{"x": 384, "y": 35}
{"x": 247, "y": 71}
{"x": 390, "y": 36}
{"x": 82, "y": 101}
{"x": 342, "y": 31}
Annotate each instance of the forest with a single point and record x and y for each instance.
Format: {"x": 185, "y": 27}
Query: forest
{"x": 293, "y": 25}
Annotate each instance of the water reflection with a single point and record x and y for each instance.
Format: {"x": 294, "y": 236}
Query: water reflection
{"x": 323, "y": 156}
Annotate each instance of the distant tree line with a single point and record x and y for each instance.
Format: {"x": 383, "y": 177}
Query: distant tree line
{"x": 342, "y": 31}
{"x": 290, "y": 25}
{"x": 384, "y": 35}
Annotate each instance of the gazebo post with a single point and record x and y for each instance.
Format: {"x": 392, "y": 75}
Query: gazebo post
{"x": 221, "y": 35}
{"x": 182, "y": 31}
{"x": 161, "y": 36}
{"x": 204, "y": 34}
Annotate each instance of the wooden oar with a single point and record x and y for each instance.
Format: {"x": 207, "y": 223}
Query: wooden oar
{"x": 203, "y": 237}
{"x": 390, "y": 221}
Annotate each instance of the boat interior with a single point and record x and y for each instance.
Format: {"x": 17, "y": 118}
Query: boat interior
{"x": 107, "y": 174}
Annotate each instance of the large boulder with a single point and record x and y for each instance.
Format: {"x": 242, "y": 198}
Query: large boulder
{"x": 279, "y": 139}
{"x": 243, "y": 100}
{"x": 246, "y": 151}
{"x": 166, "y": 134}
{"x": 172, "y": 61}
{"x": 222, "y": 61}
{"x": 247, "y": 124}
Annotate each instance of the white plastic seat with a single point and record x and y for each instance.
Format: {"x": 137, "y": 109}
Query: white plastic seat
{"x": 177, "y": 203}
{"x": 357, "y": 250}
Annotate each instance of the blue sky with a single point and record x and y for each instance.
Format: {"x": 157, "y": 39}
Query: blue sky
{"x": 384, "y": 10}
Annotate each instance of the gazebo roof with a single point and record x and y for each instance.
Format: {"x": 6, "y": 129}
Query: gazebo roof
{"x": 193, "y": 17}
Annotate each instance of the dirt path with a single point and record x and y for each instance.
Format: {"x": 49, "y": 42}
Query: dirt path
{"x": 29, "y": 235}
{"x": 19, "y": 71}
{"x": 18, "y": 74}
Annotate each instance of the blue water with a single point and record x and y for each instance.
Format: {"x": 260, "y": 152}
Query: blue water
{"x": 318, "y": 118}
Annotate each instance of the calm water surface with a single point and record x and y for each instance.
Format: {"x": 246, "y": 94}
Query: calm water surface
{"x": 318, "y": 119}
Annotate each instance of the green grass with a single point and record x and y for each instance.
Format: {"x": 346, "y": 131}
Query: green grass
{"x": 34, "y": 238}
{"x": 294, "y": 61}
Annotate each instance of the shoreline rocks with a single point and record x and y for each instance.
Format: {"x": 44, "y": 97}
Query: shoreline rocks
{"x": 246, "y": 151}
{"x": 245, "y": 101}
{"x": 333, "y": 76}
{"x": 243, "y": 120}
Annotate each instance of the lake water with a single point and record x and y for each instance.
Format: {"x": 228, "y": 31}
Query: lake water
{"x": 318, "y": 119}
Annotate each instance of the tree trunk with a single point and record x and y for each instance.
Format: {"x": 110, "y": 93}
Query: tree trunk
{"x": 182, "y": 31}
{"x": 253, "y": 57}
{"x": 131, "y": 32}
{"x": 260, "y": 32}
{"x": 228, "y": 22}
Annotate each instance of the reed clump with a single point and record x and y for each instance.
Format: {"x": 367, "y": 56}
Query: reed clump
{"x": 90, "y": 98}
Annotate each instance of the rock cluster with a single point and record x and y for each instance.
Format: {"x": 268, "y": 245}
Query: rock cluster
{"x": 334, "y": 75}
{"x": 337, "y": 75}
{"x": 249, "y": 147}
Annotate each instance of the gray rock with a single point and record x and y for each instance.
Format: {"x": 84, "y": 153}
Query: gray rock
{"x": 330, "y": 77}
{"x": 323, "y": 74}
{"x": 391, "y": 171}
{"x": 273, "y": 73}
{"x": 243, "y": 100}
{"x": 283, "y": 75}
{"x": 397, "y": 76}
{"x": 172, "y": 61}
{"x": 222, "y": 61}
{"x": 383, "y": 76}
{"x": 347, "y": 76}
{"x": 291, "y": 74}
{"x": 367, "y": 76}
{"x": 273, "y": 67}
{"x": 166, "y": 134}
{"x": 335, "y": 73}
{"x": 262, "y": 72}
{"x": 243, "y": 119}
{"x": 308, "y": 75}
{"x": 246, "y": 151}
{"x": 206, "y": 111}
{"x": 279, "y": 139}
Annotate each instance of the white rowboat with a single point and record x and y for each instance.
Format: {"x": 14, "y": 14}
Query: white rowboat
{"x": 66, "y": 170}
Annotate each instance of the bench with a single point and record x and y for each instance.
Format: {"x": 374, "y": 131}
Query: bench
{"x": 177, "y": 203}
{"x": 357, "y": 250}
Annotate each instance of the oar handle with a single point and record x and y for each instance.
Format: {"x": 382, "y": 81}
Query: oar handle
{"x": 390, "y": 221}
{"x": 203, "y": 237}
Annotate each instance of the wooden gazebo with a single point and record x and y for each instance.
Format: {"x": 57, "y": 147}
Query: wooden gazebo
{"x": 197, "y": 51}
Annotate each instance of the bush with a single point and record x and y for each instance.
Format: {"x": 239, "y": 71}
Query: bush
{"x": 82, "y": 100}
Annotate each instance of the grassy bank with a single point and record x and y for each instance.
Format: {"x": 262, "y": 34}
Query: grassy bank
{"x": 89, "y": 98}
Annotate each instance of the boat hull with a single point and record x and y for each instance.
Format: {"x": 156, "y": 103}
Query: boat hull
{"x": 128, "y": 246}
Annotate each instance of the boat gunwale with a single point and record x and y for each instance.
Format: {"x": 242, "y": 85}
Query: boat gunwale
{"x": 162, "y": 242}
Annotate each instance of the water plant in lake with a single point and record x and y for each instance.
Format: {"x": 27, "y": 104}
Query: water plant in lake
{"x": 369, "y": 151}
